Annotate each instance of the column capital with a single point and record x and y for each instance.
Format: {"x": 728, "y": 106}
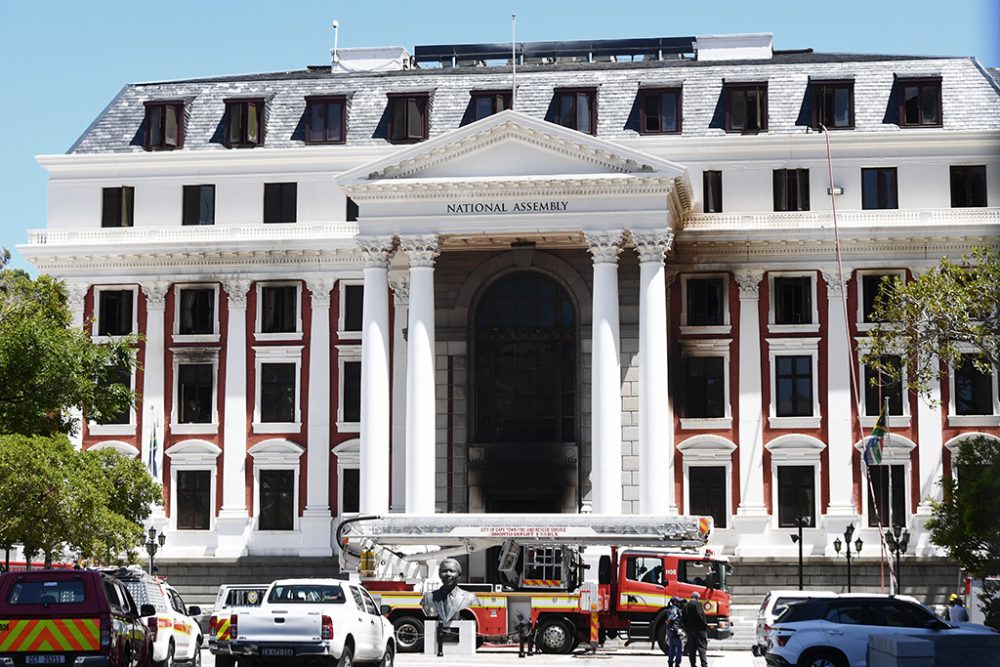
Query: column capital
{"x": 400, "y": 284}
{"x": 652, "y": 244}
{"x": 376, "y": 250}
{"x": 833, "y": 284}
{"x": 76, "y": 295}
{"x": 421, "y": 250}
{"x": 749, "y": 283}
{"x": 605, "y": 246}
{"x": 236, "y": 289}
{"x": 319, "y": 289}
{"x": 156, "y": 294}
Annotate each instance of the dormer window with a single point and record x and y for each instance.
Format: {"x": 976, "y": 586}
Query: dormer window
{"x": 577, "y": 109}
{"x": 244, "y": 123}
{"x": 326, "y": 119}
{"x": 833, "y": 104}
{"x": 746, "y": 107}
{"x": 164, "y": 125}
{"x": 660, "y": 110}
{"x": 407, "y": 117}
{"x": 485, "y": 103}
{"x": 920, "y": 102}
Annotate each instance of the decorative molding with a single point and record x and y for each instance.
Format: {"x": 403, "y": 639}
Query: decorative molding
{"x": 319, "y": 290}
{"x": 77, "y": 295}
{"x": 600, "y": 185}
{"x": 749, "y": 283}
{"x": 156, "y": 294}
{"x": 400, "y": 284}
{"x": 421, "y": 250}
{"x": 833, "y": 284}
{"x": 236, "y": 290}
{"x": 605, "y": 246}
{"x": 652, "y": 244}
{"x": 375, "y": 250}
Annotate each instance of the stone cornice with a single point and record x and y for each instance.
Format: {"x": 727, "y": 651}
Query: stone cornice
{"x": 583, "y": 186}
{"x": 174, "y": 260}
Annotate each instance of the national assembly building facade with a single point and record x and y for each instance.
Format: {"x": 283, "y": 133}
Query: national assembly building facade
{"x": 604, "y": 279}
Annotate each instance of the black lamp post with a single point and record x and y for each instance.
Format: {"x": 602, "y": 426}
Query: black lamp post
{"x": 897, "y": 539}
{"x": 837, "y": 544}
{"x": 153, "y": 543}
{"x": 800, "y": 521}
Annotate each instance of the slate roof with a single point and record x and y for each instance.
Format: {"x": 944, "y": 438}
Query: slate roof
{"x": 970, "y": 100}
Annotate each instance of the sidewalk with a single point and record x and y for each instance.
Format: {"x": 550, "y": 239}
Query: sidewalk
{"x": 610, "y": 654}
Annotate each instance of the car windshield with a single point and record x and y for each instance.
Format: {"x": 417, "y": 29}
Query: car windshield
{"x": 70, "y": 591}
{"x": 146, "y": 593}
{"x": 307, "y": 594}
{"x": 782, "y": 603}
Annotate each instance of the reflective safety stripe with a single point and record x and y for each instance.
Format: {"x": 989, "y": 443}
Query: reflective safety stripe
{"x": 554, "y": 602}
{"x": 222, "y": 629}
{"x": 543, "y": 583}
{"x": 594, "y": 627}
{"x": 182, "y": 628}
{"x": 62, "y": 634}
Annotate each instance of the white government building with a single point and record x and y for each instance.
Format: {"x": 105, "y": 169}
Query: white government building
{"x": 605, "y": 281}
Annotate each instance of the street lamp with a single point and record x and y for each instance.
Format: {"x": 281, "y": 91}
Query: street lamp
{"x": 153, "y": 544}
{"x": 800, "y": 521}
{"x": 897, "y": 539}
{"x": 837, "y": 544}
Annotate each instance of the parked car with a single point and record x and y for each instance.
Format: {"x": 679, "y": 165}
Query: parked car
{"x": 231, "y": 599}
{"x": 175, "y": 631}
{"x": 71, "y": 617}
{"x": 323, "y": 619}
{"x": 834, "y": 632}
{"x": 773, "y": 605}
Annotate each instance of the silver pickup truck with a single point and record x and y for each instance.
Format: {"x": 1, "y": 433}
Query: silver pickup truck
{"x": 314, "y": 618}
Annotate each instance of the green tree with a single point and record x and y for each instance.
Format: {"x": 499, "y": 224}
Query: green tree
{"x": 966, "y": 522}
{"x": 54, "y": 498}
{"x": 47, "y": 366}
{"x": 932, "y": 320}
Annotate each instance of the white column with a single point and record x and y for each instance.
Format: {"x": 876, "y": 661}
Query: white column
{"x": 233, "y": 518}
{"x": 751, "y": 423}
{"x": 655, "y": 425}
{"x": 930, "y": 452}
{"x": 421, "y": 407}
{"x": 840, "y": 405}
{"x": 77, "y": 293}
{"x": 400, "y": 283}
{"x": 606, "y": 391}
{"x": 316, "y": 518}
{"x": 153, "y": 376}
{"x": 375, "y": 376}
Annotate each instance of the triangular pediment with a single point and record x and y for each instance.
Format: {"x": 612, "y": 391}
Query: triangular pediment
{"x": 512, "y": 146}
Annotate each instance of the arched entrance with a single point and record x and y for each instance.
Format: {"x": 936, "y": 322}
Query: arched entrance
{"x": 525, "y": 383}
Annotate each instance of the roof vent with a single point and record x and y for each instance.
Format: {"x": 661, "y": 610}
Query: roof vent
{"x": 370, "y": 59}
{"x": 755, "y": 46}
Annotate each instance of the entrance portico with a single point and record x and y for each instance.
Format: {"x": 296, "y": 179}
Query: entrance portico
{"x": 538, "y": 199}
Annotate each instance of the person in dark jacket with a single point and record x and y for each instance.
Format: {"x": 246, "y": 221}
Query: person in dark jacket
{"x": 675, "y": 633}
{"x": 696, "y": 627}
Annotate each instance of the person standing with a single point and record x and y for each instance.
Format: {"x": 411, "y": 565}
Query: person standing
{"x": 696, "y": 628}
{"x": 956, "y": 609}
{"x": 675, "y": 633}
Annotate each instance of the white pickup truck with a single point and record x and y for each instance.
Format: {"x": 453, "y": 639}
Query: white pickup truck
{"x": 310, "y": 619}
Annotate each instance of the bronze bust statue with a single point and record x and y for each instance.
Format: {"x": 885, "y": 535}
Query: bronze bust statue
{"x": 447, "y": 602}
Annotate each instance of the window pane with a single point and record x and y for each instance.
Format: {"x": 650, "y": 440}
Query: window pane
{"x": 973, "y": 390}
{"x": 883, "y": 387}
{"x": 968, "y": 186}
{"x": 651, "y": 109}
{"x": 705, "y": 301}
{"x": 796, "y": 495}
{"x": 352, "y": 391}
{"x": 707, "y": 492}
{"x": 712, "y": 191}
{"x": 335, "y": 121}
{"x": 194, "y": 393}
{"x": 253, "y": 118}
{"x": 668, "y": 122}
{"x": 911, "y": 105}
{"x": 197, "y": 311}
{"x": 354, "y": 297}
{"x": 483, "y": 106}
{"x": 317, "y": 121}
{"x": 115, "y": 313}
{"x": 567, "y": 110}
{"x": 414, "y": 118}
{"x": 738, "y": 109}
{"x": 277, "y": 393}
{"x": 280, "y": 309}
{"x": 352, "y": 491}
{"x": 399, "y": 118}
{"x": 793, "y": 300}
{"x": 277, "y": 497}
{"x": 171, "y": 132}
{"x": 234, "y": 124}
{"x": 194, "y": 502}
{"x": 793, "y": 394}
{"x": 929, "y": 105}
{"x": 705, "y": 388}
{"x": 842, "y": 106}
{"x": 155, "y": 114}
{"x": 122, "y": 376}
{"x": 887, "y": 492}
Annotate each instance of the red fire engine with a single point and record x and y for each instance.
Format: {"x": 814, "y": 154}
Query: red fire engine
{"x": 641, "y": 563}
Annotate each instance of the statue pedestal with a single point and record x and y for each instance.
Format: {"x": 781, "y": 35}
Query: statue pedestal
{"x": 466, "y": 638}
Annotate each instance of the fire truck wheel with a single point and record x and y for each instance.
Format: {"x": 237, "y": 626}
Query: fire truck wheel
{"x": 409, "y": 634}
{"x": 554, "y": 635}
{"x": 661, "y": 637}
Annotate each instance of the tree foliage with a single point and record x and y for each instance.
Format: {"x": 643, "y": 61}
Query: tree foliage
{"x": 966, "y": 523}
{"x": 47, "y": 366}
{"x": 55, "y": 499}
{"x": 932, "y": 320}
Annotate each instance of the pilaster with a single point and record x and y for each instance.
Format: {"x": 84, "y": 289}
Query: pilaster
{"x": 316, "y": 519}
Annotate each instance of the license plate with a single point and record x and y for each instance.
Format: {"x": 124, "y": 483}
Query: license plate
{"x": 277, "y": 652}
{"x": 44, "y": 659}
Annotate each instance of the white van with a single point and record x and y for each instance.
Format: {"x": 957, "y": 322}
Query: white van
{"x": 773, "y": 605}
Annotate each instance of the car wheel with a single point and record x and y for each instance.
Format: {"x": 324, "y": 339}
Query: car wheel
{"x": 196, "y": 656}
{"x": 554, "y": 635}
{"x": 661, "y": 638}
{"x": 347, "y": 657}
{"x": 409, "y": 632}
{"x": 389, "y": 657}
{"x": 823, "y": 659}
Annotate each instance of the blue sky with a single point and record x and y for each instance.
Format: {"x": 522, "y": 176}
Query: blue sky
{"x": 61, "y": 62}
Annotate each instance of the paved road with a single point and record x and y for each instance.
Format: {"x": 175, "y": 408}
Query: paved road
{"x": 612, "y": 654}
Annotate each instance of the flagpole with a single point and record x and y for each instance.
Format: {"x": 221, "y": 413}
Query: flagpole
{"x": 892, "y": 505}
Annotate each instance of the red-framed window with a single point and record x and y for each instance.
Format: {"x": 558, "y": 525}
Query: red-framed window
{"x": 164, "y": 125}
{"x": 326, "y": 119}
{"x": 660, "y": 111}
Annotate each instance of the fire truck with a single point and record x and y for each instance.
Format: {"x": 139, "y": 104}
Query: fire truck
{"x": 641, "y": 563}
